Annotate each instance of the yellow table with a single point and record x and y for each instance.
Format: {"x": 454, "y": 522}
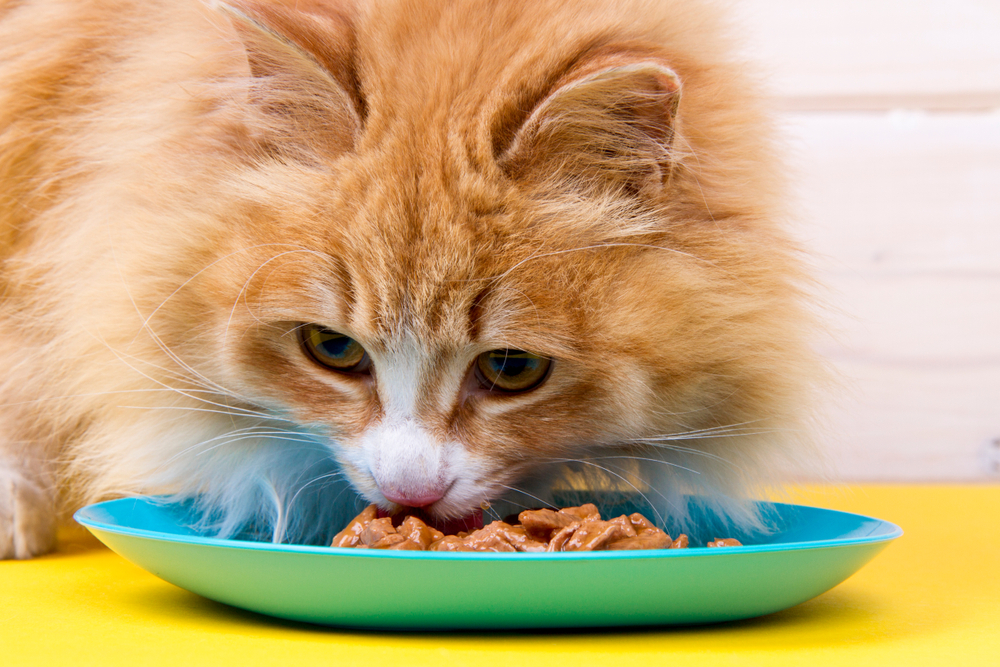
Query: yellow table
{"x": 932, "y": 598}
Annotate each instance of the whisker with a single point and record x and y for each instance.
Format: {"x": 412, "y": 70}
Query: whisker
{"x": 713, "y": 429}
{"x": 544, "y": 503}
{"x": 689, "y": 450}
{"x": 639, "y": 458}
{"x": 330, "y": 475}
{"x": 255, "y": 431}
{"x": 622, "y": 478}
{"x": 228, "y": 413}
{"x": 246, "y": 284}
{"x": 67, "y": 397}
{"x": 489, "y": 510}
{"x": 230, "y": 440}
{"x": 206, "y": 268}
{"x": 185, "y": 393}
{"x": 708, "y": 436}
{"x": 156, "y": 339}
{"x": 194, "y": 376}
{"x": 254, "y": 437}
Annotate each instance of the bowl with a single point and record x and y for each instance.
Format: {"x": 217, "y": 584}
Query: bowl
{"x": 811, "y": 551}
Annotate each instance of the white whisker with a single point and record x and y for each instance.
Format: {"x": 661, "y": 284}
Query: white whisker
{"x": 336, "y": 474}
{"x": 229, "y": 413}
{"x": 639, "y": 458}
{"x": 544, "y": 503}
{"x": 206, "y": 268}
{"x": 242, "y": 293}
{"x": 185, "y": 393}
{"x": 659, "y": 517}
{"x": 257, "y": 431}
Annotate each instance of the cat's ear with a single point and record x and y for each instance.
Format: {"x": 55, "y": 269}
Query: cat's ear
{"x": 301, "y": 73}
{"x": 608, "y": 125}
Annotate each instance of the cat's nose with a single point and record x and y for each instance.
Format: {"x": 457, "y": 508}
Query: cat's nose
{"x": 411, "y": 498}
{"x": 410, "y": 466}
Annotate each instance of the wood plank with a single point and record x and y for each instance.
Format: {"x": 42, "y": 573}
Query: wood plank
{"x": 920, "y": 321}
{"x": 903, "y": 213}
{"x": 901, "y": 192}
{"x": 906, "y": 423}
{"x": 864, "y": 54}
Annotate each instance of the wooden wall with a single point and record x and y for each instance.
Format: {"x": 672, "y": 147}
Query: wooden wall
{"x": 892, "y": 113}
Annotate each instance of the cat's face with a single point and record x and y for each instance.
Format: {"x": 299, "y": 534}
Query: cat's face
{"x": 464, "y": 287}
{"x": 387, "y": 332}
{"x": 379, "y": 319}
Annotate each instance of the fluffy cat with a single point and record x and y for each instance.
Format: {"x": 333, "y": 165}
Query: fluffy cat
{"x": 286, "y": 257}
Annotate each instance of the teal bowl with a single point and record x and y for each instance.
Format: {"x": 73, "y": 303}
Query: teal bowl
{"x": 813, "y": 551}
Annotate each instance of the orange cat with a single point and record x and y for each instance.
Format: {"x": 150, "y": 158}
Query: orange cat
{"x": 275, "y": 254}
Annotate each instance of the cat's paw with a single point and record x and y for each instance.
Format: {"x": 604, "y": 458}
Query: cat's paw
{"x": 27, "y": 517}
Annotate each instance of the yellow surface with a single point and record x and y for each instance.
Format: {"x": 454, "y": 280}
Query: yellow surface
{"x": 932, "y": 598}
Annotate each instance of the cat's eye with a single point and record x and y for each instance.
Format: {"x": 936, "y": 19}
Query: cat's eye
{"x": 511, "y": 370}
{"x": 334, "y": 350}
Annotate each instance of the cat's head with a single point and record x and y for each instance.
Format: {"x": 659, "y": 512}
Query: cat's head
{"x": 470, "y": 246}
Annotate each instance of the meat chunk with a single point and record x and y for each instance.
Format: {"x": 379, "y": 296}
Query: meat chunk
{"x": 569, "y": 529}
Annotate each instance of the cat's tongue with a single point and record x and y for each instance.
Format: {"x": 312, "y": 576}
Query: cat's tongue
{"x": 468, "y": 523}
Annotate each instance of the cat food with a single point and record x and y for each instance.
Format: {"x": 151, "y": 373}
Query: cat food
{"x": 725, "y": 542}
{"x": 569, "y": 529}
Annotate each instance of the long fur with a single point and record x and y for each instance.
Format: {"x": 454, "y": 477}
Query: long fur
{"x": 183, "y": 184}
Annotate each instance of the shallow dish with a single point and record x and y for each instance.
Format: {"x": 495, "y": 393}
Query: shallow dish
{"x": 813, "y": 551}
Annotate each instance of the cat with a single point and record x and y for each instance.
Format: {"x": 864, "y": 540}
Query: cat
{"x": 284, "y": 258}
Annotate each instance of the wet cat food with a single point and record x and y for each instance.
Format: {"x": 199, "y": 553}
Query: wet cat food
{"x": 569, "y": 529}
{"x": 725, "y": 542}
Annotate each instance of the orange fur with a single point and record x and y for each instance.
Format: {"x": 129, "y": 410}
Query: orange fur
{"x": 183, "y": 184}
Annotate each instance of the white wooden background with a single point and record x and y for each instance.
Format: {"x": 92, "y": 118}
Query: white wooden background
{"x": 892, "y": 112}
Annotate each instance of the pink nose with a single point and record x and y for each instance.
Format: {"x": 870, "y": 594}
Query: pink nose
{"x": 414, "y": 498}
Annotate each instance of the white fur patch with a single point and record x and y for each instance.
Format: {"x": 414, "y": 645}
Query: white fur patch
{"x": 403, "y": 457}
{"x": 400, "y": 377}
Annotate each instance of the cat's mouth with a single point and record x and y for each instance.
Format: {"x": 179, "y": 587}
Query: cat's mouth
{"x": 473, "y": 521}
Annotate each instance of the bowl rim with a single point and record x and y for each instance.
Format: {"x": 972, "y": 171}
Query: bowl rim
{"x": 84, "y": 516}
